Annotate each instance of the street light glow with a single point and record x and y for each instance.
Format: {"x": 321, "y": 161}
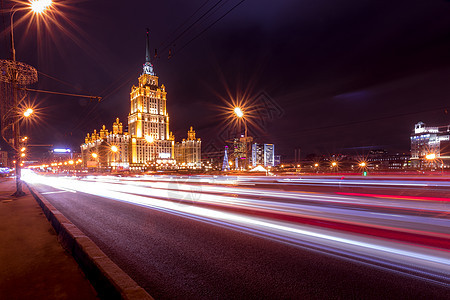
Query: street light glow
{"x": 238, "y": 112}
{"x": 38, "y": 6}
{"x": 28, "y": 112}
{"x": 430, "y": 156}
{"x": 94, "y": 155}
{"x": 114, "y": 149}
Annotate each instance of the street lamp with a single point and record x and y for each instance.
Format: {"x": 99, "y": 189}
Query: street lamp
{"x": 39, "y": 6}
{"x": 19, "y": 74}
{"x": 240, "y": 114}
{"x": 333, "y": 165}
{"x": 114, "y": 151}
{"x": 149, "y": 139}
{"x": 430, "y": 156}
{"x": 28, "y": 112}
{"x": 363, "y": 166}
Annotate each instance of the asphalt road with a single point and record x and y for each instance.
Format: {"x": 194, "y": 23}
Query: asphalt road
{"x": 182, "y": 238}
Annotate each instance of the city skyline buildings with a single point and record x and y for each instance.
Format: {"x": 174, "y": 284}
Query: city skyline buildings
{"x": 148, "y": 143}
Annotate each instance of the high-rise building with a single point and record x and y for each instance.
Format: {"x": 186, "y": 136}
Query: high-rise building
{"x": 263, "y": 154}
{"x": 188, "y": 151}
{"x": 430, "y": 146}
{"x": 148, "y": 121}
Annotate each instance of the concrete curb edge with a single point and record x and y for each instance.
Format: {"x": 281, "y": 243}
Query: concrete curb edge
{"x": 108, "y": 279}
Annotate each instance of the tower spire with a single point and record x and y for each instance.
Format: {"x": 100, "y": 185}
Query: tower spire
{"x": 148, "y": 67}
{"x": 147, "y": 49}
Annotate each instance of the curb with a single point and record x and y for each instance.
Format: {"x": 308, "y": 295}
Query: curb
{"x": 110, "y": 281}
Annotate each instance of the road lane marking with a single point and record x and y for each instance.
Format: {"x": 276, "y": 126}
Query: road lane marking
{"x": 57, "y": 192}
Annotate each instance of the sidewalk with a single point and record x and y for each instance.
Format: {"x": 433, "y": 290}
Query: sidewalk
{"x": 33, "y": 265}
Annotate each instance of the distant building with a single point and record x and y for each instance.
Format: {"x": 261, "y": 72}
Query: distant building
{"x": 277, "y": 160}
{"x": 107, "y": 149}
{"x": 57, "y": 155}
{"x": 430, "y": 146}
{"x": 263, "y": 154}
{"x": 380, "y": 159}
{"x": 3, "y": 159}
{"x": 188, "y": 152}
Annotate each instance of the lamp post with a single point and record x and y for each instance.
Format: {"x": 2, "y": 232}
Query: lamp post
{"x": 431, "y": 158}
{"x": 18, "y": 74}
{"x": 240, "y": 114}
{"x": 333, "y": 166}
{"x": 95, "y": 157}
{"x": 114, "y": 151}
{"x": 363, "y": 166}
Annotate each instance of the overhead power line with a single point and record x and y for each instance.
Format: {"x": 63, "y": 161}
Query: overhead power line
{"x": 184, "y": 23}
{"x": 190, "y": 26}
{"x": 209, "y": 26}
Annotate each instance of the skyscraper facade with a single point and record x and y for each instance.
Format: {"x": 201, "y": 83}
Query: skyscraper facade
{"x": 263, "y": 154}
{"x": 430, "y": 145}
{"x": 148, "y": 121}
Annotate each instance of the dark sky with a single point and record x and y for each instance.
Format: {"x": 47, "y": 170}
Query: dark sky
{"x": 326, "y": 76}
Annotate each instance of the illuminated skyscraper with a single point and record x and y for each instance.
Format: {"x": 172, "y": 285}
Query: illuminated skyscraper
{"x": 148, "y": 121}
{"x": 427, "y": 140}
{"x": 263, "y": 154}
{"x": 148, "y": 143}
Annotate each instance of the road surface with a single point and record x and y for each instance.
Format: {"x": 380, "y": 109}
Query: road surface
{"x": 216, "y": 237}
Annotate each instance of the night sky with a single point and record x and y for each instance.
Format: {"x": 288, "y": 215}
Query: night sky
{"x": 324, "y": 76}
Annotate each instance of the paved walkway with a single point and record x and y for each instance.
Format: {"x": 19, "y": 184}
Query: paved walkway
{"x": 33, "y": 265}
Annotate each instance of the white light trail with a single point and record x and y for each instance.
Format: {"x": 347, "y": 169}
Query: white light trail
{"x": 435, "y": 263}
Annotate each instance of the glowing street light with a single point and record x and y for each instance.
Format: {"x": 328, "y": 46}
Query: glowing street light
{"x": 149, "y": 139}
{"x": 362, "y": 164}
{"x": 28, "y": 112}
{"x": 240, "y": 114}
{"x": 334, "y": 164}
{"x": 430, "y": 156}
{"x": 39, "y": 6}
{"x": 238, "y": 111}
{"x": 114, "y": 150}
{"x": 94, "y": 155}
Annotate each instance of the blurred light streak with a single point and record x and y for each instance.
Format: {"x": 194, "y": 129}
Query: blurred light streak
{"x": 396, "y": 197}
{"x": 431, "y": 262}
